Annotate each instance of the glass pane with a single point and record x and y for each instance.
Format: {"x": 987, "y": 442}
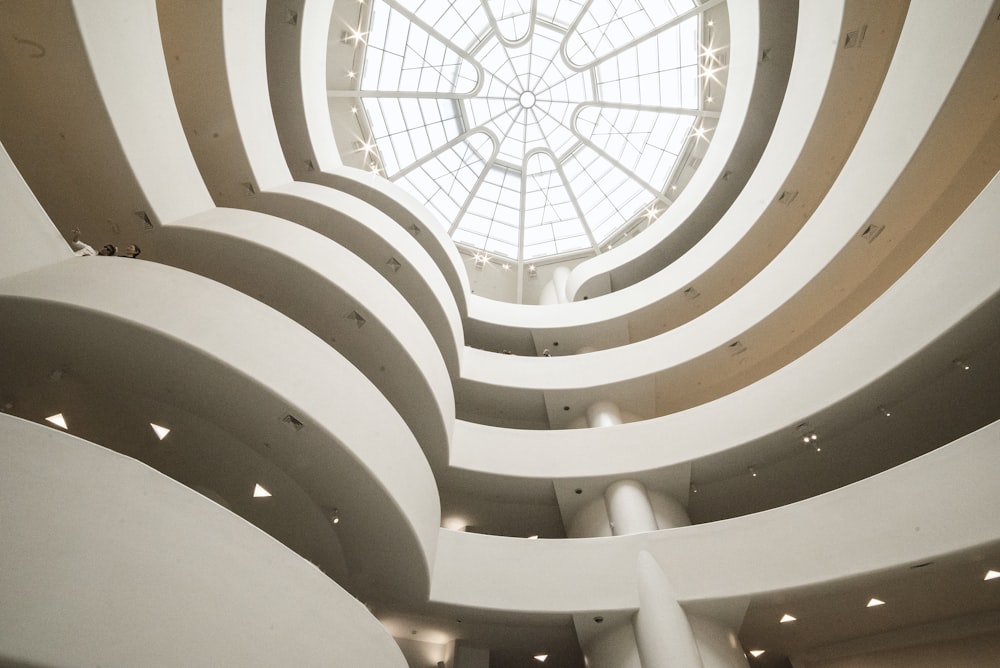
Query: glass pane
{"x": 549, "y": 146}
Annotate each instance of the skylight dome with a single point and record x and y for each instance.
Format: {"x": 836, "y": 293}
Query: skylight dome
{"x": 534, "y": 129}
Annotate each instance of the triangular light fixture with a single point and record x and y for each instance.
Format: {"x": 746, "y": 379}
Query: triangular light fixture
{"x": 259, "y": 492}
{"x": 874, "y": 602}
{"x": 161, "y": 432}
{"x": 58, "y": 420}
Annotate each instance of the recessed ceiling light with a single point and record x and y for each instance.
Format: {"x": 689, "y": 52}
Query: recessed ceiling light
{"x": 756, "y": 652}
{"x": 58, "y": 420}
{"x": 161, "y": 432}
{"x": 259, "y": 492}
{"x": 992, "y": 575}
{"x": 534, "y": 537}
{"x": 540, "y": 658}
{"x": 787, "y": 618}
{"x": 874, "y": 602}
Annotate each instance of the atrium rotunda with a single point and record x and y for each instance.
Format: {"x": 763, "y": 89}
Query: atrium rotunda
{"x": 499, "y": 333}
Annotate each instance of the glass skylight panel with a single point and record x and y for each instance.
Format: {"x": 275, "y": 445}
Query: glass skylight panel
{"x": 444, "y": 181}
{"x": 551, "y": 222}
{"x": 664, "y": 67}
{"x": 513, "y": 18}
{"x": 608, "y": 196}
{"x": 402, "y": 56}
{"x": 462, "y": 22}
{"x": 422, "y": 125}
{"x": 560, "y": 13}
{"x": 517, "y": 151}
{"x": 607, "y": 25}
{"x": 644, "y": 142}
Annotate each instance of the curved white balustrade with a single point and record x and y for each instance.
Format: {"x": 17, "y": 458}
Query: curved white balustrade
{"x": 243, "y": 367}
{"x": 871, "y": 310}
{"x": 30, "y": 240}
{"x": 335, "y": 214}
{"x": 824, "y": 87}
{"x": 919, "y": 308}
{"x": 750, "y": 33}
{"x": 107, "y": 562}
{"x": 150, "y": 145}
{"x": 297, "y": 86}
{"x": 333, "y": 294}
{"x": 221, "y": 91}
{"x": 780, "y": 309}
{"x": 403, "y": 208}
{"x": 829, "y": 538}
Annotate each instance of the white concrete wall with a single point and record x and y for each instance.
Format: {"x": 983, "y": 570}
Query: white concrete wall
{"x": 824, "y": 539}
{"x": 614, "y": 648}
{"x": 318, "y": 283}
{"x": 107, "y": 562}
{"x": 243, "y": 366}
{"x": 217, "y": 63}
{"x": 136, "y": 92}
{"x": 884, "y": 180}
{"x": 593, "y": 277}
{"x": 973, "y": 652}
{"x": 951, "y": 279}
{"x": 30, "y": 240}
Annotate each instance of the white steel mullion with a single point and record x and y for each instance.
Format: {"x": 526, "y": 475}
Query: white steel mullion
{"x": 472, "y": 193}
{"x": 576, "y": 204}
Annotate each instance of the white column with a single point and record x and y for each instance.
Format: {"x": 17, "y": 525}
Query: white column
{"x": 554, "y": 291}
{"x": 662, "y": 630}
{"x": 629, "y": 509}
{"x": 669, "y": 512}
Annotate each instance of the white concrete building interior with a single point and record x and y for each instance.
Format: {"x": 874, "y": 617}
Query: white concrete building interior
{"x": 500, "y": 333}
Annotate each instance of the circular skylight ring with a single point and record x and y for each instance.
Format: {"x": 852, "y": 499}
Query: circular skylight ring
{"x": 610, "y": 143}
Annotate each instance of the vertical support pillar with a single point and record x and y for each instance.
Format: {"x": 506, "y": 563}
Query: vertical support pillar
{"x": 662, "y": 631}
{"x": 629, "y": 509}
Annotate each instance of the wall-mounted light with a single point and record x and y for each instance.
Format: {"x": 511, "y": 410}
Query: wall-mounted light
{"x": 58, "y": 420}
{"x": 807, "y": 434}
